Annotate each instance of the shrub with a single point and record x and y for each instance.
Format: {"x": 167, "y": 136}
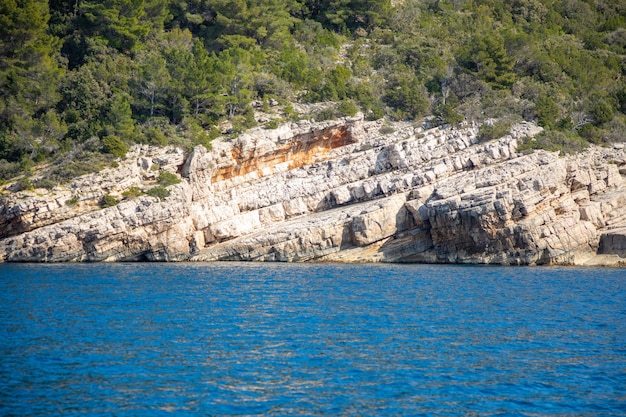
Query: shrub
{"x": 244, "y": 121}
{"x": 159, "y": 192}
{"x": 326, "y": 114}
{"x": 404, "y": 95}
{"x": 132, "y": 192}
{"x": 75, "y": 169}
{"x": 108, "y": 201}
{"x": 376, "y": 112}
{"x": 590, "y": 133}
{"x": 386, "y": 129}
{"x": 23, "y": 184}
{"x": 547, "y": 111}
{"x": 155, "y": 136}
{"x": 72, "y": 201}
{"x": 9, "y": 169}
{"x": 446, "y": 114}
{"x": 158, "y": 131}
{"x": 167, "y": 178}
{"x": 272, "y": 124}
{"x": 491, "y": 131}
{"x": 113, "y": 144}
{"x": 554, "y": 140}
{"x": 46, "y": 183}
{"x": 601, "y": 111}
{"x": 291, "y": 114}
{"x": 348, "y": 108}
{"x": 195, "y": 133}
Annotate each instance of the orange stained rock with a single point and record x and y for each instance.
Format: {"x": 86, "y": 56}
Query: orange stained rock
{"x": 301, "y": 150}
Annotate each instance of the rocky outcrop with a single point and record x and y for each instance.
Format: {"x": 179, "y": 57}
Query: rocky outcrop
{"x": 26, "y": 211}
{"x": 337, "y": 191}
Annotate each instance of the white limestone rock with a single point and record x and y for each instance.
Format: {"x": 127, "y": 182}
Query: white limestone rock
{"x": 338, "y": 191}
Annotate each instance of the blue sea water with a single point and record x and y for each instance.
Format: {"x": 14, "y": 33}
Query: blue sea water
{"x": 236, "y": 339}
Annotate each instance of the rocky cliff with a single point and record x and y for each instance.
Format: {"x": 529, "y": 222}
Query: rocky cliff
{"x": 336, "y": 191}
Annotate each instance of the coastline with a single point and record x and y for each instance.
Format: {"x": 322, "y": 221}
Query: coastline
{"x": 338, "y": 191}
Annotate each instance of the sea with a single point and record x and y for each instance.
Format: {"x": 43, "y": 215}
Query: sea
{"x": 261, "y": 339}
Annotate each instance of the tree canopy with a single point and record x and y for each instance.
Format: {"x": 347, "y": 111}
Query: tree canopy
{"x": 85, "y": 79}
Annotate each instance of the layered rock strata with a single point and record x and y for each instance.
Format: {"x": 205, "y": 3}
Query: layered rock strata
{"x": 337, "y": 191}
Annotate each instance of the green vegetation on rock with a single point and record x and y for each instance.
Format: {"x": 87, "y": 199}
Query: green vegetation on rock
{"x": 167, "y": 178}
{"x": 132, "y": 192}
{"x": 159, "y": 192}
{"x": 108, "y": 201}
{"x": 493, "y": 130}
{"x": 82, "y": 81}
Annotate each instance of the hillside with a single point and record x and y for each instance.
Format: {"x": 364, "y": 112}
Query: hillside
{"x": 82, "y": 81}
{"x": 468, "y": 131}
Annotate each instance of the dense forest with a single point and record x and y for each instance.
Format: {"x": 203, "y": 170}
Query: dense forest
{"x": 82, "y": 80}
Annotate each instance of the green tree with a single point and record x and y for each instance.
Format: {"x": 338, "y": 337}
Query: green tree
{"x": 84, "y": 104}
{"x": 178, "y": 63}
{"x": 446, "y": 114}
{"x": 119, "y": 117}
{"x": 108, "y": 201}
{"x": 176, "y": 48}
{"x": 486, "y": 56}
{"x": 405, "y": 95}
{"x": 600, "y": 110}
{"x": 93, "y": 29}
{"x": 29, "y": 75}
{"x": 114, "y": 145}
{"x": 202, "y": 80}
{"x": 349, "y": 14}
{"x": 167, "y": 178}
{"x": 335, "y": 86}
{"x": 547, "y": 111}
{"x": 236, "y": 70}
{"x": 116, "y": 23}
{"x": 150, "y": 83}
{"x": 293, "y": 65}
{"x": 267, "y": 22}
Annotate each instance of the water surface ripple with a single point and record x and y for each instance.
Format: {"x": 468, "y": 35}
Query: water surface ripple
{"x": 311, "y": 340}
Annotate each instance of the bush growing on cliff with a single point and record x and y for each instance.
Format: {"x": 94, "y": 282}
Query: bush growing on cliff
{"x": 75, "y": 169}
{"x": 494, "y": 130}
{"x": 108, "y": 201}
{"x": 113, "y": 144}
{"x": 272, "y": 124}
{"x": 347, "y": 108}
{"x": 23, "y": 184}
{"x": 446, "y": 114}
{"x": 167, "y": 178}
{"x": 159, "y": 192}
{"x": 326, "y": 114}
{"x": 554, "y": 140}
{"x": 9, "y": 169}
{"x": 46, "y": 183}
{"x": 404, "y": 95}
{"x": 386, "y": 129}
{"x": 132, "y": 192}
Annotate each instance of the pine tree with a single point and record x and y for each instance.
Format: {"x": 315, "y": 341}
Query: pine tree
{"x": 28, "y": 74}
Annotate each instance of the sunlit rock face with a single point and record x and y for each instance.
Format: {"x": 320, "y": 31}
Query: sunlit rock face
{"x": 336, "y": 191}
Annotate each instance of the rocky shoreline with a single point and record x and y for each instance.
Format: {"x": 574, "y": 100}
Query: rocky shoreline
{"x": 340, "y": 191}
